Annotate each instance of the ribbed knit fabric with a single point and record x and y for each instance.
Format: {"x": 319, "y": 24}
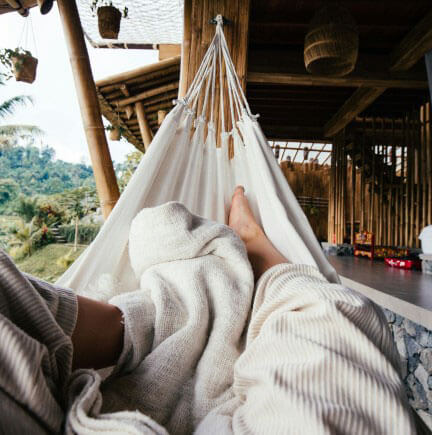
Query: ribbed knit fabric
{"x": 317, "y": 358}
{"x": 36, "y": 321}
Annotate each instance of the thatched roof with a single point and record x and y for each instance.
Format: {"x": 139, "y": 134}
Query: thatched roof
{"x": 154, "y": 85}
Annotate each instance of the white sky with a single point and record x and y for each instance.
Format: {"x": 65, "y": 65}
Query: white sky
{"x": 55, "y": 108}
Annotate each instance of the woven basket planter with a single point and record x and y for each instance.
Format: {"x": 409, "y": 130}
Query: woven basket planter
{"x": 24, "y": 68}
{"x": 115, "y": 134}
{"x": 109, "y": 19}
{"x": 331, "y": 45}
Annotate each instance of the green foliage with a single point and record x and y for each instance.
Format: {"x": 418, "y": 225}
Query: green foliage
{"x": 7, "y": 57}
{"x": 126, "y": 169}
{"x": 25, "y": 237}
{"x": 98, "y": 3}
{"x": 43, "y": 262}
{"x": 10, "y": 134}
{"x": 66, "y": 260}
{"x": 9, "y": 190}
{"x": 86, "y": 233}
{"x": 36, "y": 171}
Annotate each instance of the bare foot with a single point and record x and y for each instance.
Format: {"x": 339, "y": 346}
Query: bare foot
{"x": 241, "y": 218}
{"x": 261, "y": 252}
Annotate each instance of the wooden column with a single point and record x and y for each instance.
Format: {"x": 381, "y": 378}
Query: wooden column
{"x": 106, "y": 182}
{"x": 144, "y": 127}
{"x": 428, "y": 160}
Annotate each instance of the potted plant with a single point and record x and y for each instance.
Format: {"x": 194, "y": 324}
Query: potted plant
{"x": 115, "y": 133}
{"x": 20, "y": 63}
{"x": 109, "y": 18}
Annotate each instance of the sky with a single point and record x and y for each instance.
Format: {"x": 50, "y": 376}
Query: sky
{"x": 55, "y": 108}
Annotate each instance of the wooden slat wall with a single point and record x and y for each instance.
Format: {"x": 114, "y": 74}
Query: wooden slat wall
{"x": 396, "y": 204}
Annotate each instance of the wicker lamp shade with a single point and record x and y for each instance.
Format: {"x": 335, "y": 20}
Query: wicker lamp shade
{"x": 331, "y": 44}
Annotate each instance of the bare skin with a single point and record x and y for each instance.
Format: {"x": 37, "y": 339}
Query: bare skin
{"x": 98, "y": 335}
{"x": 261, "y": 252}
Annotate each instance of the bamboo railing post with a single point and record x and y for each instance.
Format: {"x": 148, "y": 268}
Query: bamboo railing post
{"x": 353, "y": 198}
{"x": 392, "y": 189}
{"x": 144, "y": 127}
{"x": 106, "y": 182}
{"x": 424, "y": 166}
{"x": 344, "y": 187}
{"x": 428, "y": 160}
{"x": 418, "y": 185}
{"x": 362, "y": 178}
{"x": 372, "y": 190}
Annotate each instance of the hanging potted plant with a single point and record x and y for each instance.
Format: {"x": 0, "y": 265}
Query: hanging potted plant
{"x": 20, "y": 63}
{"x": 115, "y": 133}
{"x": 109, "y": 18}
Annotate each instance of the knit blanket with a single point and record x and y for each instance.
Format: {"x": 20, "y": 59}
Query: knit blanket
{"x": 184, "y": 329}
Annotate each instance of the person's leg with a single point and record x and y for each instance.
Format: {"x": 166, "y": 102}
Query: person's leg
{"x": 261, "y": 252}
{"x": 319, "y": 357}
{"x": 98, "y": 335}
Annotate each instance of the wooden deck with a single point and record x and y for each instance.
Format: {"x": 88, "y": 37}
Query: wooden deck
{"x": 407, "y": 292}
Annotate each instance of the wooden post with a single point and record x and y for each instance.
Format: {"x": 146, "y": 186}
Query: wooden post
{"x": 362, "y": 179}
{"x": 106, "y": 182}
{"x": 353, "y": 198}
{"x": 144, "y": 127}
{"x": 428, "y": 142}
{"x": 161, "y": 116}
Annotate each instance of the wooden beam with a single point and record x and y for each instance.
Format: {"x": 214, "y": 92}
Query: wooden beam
{"x": 129, "y": 75}
{"x": 371, "y": 80}
{"x": 169, "y": 50}
{"x": 361, "y": 99}
{"x": 403, "y": 57}
{"x": 146, "y": 94}
{"x": 413, "y": 46}
{"x": 143, "y": 124}
{"x": 106, "y": 182}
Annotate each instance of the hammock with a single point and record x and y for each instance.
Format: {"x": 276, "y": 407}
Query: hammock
{"x": 184, "y": 164}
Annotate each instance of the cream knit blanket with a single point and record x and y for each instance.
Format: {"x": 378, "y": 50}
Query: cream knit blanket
{"x": 184, "y": 325}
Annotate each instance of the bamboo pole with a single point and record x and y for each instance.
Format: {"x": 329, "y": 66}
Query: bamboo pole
{"x": 145, "y": 131}
{"x": 392, "y": 188}
{"x": 423, "y": 158}
{"x": 418, "y": 185}
{"x": 106, "y": 183}
{"x": 344, "y": 181}
{"x": 353, "y": 198}
{"x": 372, "y": 190}
{"x": 428, "y": 160}
{"x": 161, "y": 116}
{"x": 403, "y": 190}
{"x": 362, "y": 179}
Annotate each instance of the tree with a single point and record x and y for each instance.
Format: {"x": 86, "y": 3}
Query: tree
{"x": 126, "y": 170}
{"x": 9, "y": 133}
{"x": 9, "y": 190}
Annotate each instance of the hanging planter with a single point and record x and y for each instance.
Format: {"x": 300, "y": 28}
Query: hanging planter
{"x": 109, "y": 18}
{"x": 115, "y": 133}
{"x": 19, "y": 63}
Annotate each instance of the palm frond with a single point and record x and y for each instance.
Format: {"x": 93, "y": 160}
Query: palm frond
{"x": 9, "y": 131}
{"x": 9, "y": 106}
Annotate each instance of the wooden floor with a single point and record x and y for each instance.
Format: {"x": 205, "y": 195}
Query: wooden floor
{"x": 411, "y": 286}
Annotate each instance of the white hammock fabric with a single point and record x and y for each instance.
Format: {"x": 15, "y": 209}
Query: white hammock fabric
{"x": 183, "y": 165}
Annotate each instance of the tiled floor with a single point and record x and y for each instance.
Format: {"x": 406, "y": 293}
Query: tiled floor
{"x": 410, "y": 286}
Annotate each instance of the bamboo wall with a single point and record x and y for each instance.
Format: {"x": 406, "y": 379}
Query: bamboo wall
{"x": 388, "y": 189}
{"x": 310, "y": 184}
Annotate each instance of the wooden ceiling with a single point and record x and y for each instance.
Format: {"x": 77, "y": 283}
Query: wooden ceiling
{"x": 155, "y": 86}
{"x": 292, "y": 108}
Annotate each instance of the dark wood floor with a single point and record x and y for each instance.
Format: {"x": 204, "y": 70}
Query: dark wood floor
{"x": 409, "y": 285}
